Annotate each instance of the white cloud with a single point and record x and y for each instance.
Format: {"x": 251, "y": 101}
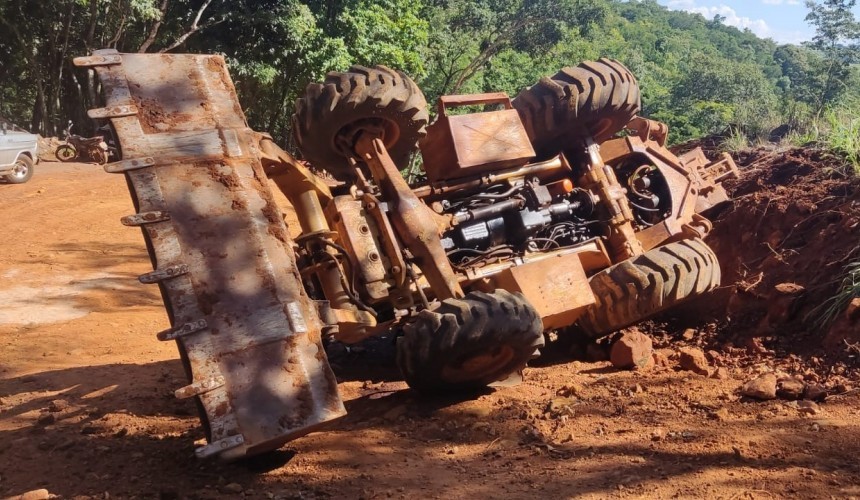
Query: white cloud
{"x": 757, "y": 26}
{"x": 781, "y": 2}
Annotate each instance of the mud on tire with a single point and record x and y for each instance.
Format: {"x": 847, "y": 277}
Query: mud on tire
{"x": 643, "y": 286}
{"x": 329, "y": 114}
{"x": 468, "y": 343}
{"x": 594, "y": 99}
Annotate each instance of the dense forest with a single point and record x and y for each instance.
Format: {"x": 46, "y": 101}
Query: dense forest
{"x": 698, "y": 75}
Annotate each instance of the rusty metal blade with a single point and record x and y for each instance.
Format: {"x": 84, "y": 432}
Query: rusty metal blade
{"x": 248, "y": 334}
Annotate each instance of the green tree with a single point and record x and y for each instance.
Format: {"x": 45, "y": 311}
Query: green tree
{"x": 837, "y": 37}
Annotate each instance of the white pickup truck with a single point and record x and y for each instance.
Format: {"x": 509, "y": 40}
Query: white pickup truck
{"x": 19, "y": 152}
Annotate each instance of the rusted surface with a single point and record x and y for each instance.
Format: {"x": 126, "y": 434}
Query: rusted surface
{"x": 649, "y": 130}
{"x": 356, "y": 234}
{"x": 556, "y": 287}
{"x": 247, "y": 332}
{"x": 692, "y": 186}
{"x": 460, "y": 146}
{"x": 547, "y": 171}
{"x": 712, "y": 174}
{"x": 414, "y": 222}
{"x": 600, "y": 179}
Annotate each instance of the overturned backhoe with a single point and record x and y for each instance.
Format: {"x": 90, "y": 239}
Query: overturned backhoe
{"x": 557, "y": 210}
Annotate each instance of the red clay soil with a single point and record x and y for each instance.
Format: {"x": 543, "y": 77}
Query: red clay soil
{"x": 86, "y": 405}
{"x": 783, "y": 245}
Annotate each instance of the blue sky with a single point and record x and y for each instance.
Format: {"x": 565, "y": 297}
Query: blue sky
{"x": 781, "y": 20}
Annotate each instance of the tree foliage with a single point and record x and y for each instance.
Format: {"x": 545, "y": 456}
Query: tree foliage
{"x": 697, "y": 74}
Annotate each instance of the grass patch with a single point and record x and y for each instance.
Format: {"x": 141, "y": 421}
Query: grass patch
{"x": 843, "y": 140}
{"x": 823, "y": 315}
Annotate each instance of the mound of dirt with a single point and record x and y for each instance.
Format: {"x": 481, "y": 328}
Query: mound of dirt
{"x": 784, "y": 243}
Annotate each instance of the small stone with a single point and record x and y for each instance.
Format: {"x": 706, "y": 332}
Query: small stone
{"x": 693, "y": 360}
{"x": 721, "y": 373}
{"x": 42, "y": 494}
{"x": 632, "y": 350}
{"x": 762, "y": 387}
{"x": 789, "y": 288}
{"x": 852, "y": 312}
{"x": 46, "y": 419}
{"x": 814, "y": 392}
{"x": 789, "y": 388}
{"x": 660, "y": 359}
{"x": 89, "y": 429}
{"x": 808, "y": 408}
{"x": 689, "y": 334}
{"x": 561, "y": 406}
{"x": 569, "y": 390}
{"x": 720, "y": 415}
{"x": 233, "y": 488}
{"x": 58, "y": 405}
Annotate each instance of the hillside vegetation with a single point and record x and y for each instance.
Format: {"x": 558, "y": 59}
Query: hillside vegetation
{"x": 698, "y": 75}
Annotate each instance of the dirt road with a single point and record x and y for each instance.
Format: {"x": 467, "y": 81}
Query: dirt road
{"x": 86, "y": 405}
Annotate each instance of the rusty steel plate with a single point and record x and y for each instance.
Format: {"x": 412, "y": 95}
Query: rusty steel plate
{"x": 248, "y": 334}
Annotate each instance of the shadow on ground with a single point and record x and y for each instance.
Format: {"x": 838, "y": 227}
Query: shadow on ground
{"x": 135, "y": 439}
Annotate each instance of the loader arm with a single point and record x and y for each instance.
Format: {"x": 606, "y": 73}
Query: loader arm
{"x": 248, "y": 334}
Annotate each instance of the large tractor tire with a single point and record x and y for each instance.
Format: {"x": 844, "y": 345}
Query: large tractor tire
{"x": 469, "y": 343}
{"x": 641, "y": 287}
{"x": 331, "y": 115}
{"x": 594, "y": 99}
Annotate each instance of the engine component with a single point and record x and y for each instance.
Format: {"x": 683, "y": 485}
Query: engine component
{"x": 414, "y": 222}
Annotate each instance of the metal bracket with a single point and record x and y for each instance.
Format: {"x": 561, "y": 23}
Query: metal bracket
{"x": 198, "y": 388}
{"x": 297, "y": 320}
{"x": 163, "y": 274}
{"x": 91, "y": 61}
{"x": 123, "y": 166}
{"x": 219, "y": 446}
{"x": 112, "y": 112}
{"x": 182, "y": 330}
{"x": 145, "y": 218}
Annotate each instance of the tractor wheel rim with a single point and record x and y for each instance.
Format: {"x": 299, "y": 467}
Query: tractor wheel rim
{"x": 345, "y": 139}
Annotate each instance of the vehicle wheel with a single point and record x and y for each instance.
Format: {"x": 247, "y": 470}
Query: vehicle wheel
{"x": 645, "y": 285}
{"x": 468, "y": 343}
{"x": 23, "y": 171}
{"x": 330, "y": 116}
{"x": 594, "y": 99}
{"x": 98, "y": 155}
{"x": 66, "y": 152}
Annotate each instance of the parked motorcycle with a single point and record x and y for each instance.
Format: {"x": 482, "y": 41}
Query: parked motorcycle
{"x": 76, "y": 148}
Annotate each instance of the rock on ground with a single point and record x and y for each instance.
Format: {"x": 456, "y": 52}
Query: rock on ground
{"x": 762, "y": 387}
{"x": 692, "y": 359}
{"x": 789, "y": 388}
{"x": 632, "y": 350}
